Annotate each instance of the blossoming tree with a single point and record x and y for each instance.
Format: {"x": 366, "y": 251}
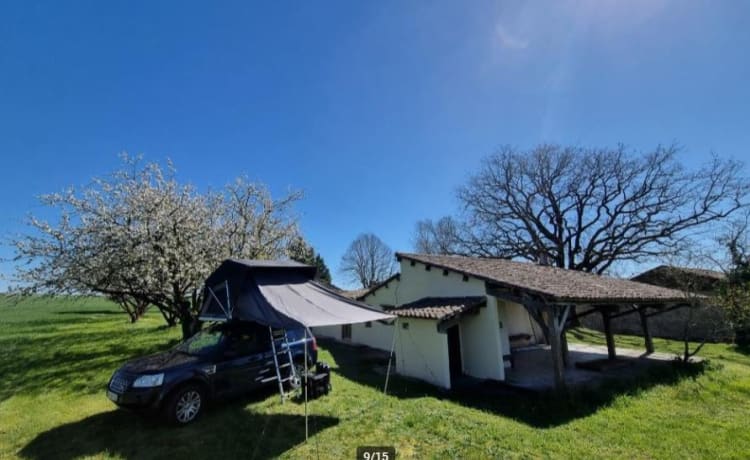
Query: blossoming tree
{"x": 141, "y": 238}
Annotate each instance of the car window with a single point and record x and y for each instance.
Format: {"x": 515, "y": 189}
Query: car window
{"x": 202, "y": 343}
{"x": 295, "y": 335}
{"x": 244, "y": 342}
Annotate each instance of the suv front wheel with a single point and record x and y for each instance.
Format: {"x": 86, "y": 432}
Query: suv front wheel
{"x": 185, "y": 404}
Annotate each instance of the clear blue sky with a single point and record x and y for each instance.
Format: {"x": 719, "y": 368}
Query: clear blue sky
{"x": 376, "y": 109}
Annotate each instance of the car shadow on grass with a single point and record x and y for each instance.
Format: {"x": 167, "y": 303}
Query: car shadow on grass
{"x": 536, "y": 409}
{"x": 226, "y": 430}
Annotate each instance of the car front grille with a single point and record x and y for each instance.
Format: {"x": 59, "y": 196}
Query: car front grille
{"x": 119, "y": 383}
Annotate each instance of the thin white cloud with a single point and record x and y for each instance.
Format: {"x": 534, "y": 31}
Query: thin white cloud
{"x": 508, "y": 40}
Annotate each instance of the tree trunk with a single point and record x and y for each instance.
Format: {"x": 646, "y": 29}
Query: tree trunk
{"x": 169, "y": 317}
{"x": 189, "y": 327}
{"x": 189, "y": 322}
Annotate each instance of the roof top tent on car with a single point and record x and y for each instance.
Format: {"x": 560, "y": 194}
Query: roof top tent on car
{"x": 281, "y": 295}
{"x": 217, "y": 305}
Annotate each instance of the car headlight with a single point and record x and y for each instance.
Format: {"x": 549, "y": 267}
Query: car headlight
{"x": 147, "y": 381}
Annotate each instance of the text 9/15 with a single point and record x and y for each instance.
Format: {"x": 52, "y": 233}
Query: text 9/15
{"x": 376, "y": 453}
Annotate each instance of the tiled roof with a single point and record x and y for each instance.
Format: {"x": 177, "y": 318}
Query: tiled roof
{"x": 440, "y": 308}
{"x": 681, "y": 277}
{"x": 672, "y": 270}
{"x": 717, "y": 275}
{"x": 354, "y": 294}
{"x": 359, "y": 294}
{"x": 554, "y": 284}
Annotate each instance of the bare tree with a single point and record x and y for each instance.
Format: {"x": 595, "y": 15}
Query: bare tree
{"x": 440, "y": 237}
{"x": 700, "y": 319}
{"x": 734, "y": 295}
{"x": 368, "y": 260}
{"x": 584, "y": 209}
{"x": 141, "y": 238}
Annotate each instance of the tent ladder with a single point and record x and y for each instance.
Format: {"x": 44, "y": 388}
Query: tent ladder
{"x": 280, "y": 347}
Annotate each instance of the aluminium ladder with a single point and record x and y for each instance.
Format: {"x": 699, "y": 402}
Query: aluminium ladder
{"x": 280, "y": 347}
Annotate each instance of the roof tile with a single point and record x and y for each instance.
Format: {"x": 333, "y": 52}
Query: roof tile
{"x": 440, "y": 308}
{"x": 554, "y": 284}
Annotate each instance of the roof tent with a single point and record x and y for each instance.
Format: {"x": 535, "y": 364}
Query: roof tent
{"x": 279, "y": 294}
{"x": 283, "y": 295}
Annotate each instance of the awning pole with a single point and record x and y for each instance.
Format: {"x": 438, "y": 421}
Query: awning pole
{"x": 390, "y": 356}
{"x": 304, "y": 381}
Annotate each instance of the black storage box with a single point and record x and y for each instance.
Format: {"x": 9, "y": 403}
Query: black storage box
{"x": 319, "y": 382}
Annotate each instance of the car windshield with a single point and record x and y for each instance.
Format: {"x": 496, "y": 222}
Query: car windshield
{"x": 202, "y": 343}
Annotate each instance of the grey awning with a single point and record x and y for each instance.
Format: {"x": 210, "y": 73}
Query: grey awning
{"x": 278, "y": 294}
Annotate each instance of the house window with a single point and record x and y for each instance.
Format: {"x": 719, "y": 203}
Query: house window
{"x": 368, "y": 324}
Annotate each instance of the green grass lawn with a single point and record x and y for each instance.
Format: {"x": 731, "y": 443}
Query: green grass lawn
{"x": 57, "y": 356}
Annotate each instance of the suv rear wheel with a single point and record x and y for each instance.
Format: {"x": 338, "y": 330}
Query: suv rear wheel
{"x": 185, "y": 404}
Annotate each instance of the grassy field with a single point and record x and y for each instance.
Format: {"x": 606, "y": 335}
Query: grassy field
{"x": 57, "y": 356}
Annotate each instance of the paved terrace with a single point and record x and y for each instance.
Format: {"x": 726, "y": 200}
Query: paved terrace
{"x": 532, "y": 366}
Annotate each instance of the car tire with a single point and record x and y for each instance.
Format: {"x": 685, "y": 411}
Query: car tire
{"x": 185, "y": 404}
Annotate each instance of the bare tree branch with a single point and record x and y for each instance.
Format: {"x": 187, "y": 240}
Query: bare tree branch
{"x": 585, "y": 209}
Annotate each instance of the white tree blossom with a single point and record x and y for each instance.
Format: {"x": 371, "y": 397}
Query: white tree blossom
{"x": 140, "y": 237}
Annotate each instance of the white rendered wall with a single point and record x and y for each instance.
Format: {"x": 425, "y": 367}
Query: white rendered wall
{"x": 378, "y": 335}
{"x": 422, "y": 352}
{"x": 384, "y": 295}
{"x": 502, "y": 317}
{"x": 417, "y": 283}
{"x": 481, "y": 347}
{"x": 517, "y": 320}
{"x": 332, "y": 332}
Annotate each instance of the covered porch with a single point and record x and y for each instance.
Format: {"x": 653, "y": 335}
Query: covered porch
{"x": 556, "y": 306}
{"x": 531, "y": 369}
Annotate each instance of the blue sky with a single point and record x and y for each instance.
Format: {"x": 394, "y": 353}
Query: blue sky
{"x": 376, "y": 109}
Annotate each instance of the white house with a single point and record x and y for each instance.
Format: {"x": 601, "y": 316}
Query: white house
{"x": 466, "y": 316}
{"x": 448, "y": 325}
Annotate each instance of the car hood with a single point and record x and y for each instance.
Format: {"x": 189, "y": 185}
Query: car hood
{"x": 161, "y": 361}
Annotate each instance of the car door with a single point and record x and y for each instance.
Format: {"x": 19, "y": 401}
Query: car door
{"x": 244, "y": 361}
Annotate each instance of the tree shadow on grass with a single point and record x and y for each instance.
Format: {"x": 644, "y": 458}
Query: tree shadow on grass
{"x": 78, "y": 362}
{"x": 743, "y": 349}
{"x": 227, "y": 430}
{"x": 90, "y": 312}
{"x": 536, "y": 409}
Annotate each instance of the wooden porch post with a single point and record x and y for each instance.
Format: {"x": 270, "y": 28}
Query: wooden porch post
{"x": 646, "y": 332}
{"x": 555, "y": 342}
{"x": 607, "y": 320}
{"x": 564, "y": 347}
